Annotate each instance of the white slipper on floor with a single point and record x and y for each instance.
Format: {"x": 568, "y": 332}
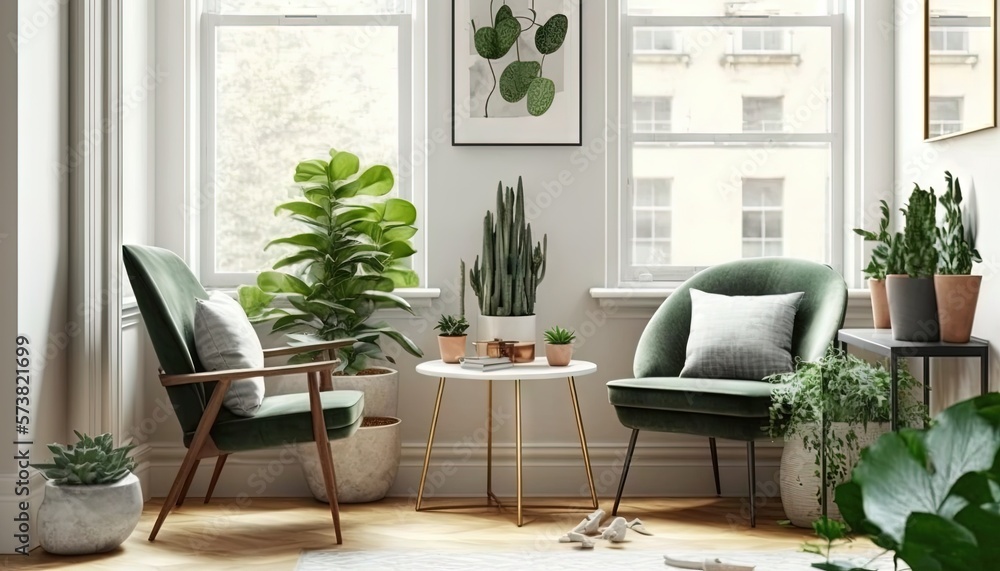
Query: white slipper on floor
{"x": 574, "y": 537}
{"x": 636, "y": 526}
{"x": 590, "y": 523}
{"x": 616, "y": 530}
{"x": 707, "y": 565}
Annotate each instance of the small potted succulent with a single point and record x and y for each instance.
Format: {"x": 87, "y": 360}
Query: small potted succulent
{"x": 956, "y": 289}
{"x": 912, "y": 303}
{"x": 92, "y": 499}
{"x": 559, "y": 346}
{"x": 878, "y": 267}
{"x": 452, "y": 339}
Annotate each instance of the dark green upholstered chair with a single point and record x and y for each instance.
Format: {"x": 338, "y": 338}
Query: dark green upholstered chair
{"x": 167, "y": 294}
{"x": 657, "y": 399}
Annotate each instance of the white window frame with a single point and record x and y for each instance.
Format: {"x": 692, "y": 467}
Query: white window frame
{"x": 945, "y": 31}
{"x": 763, "y": 240}
{"x": 678, "y": 47}
{"x": 653, "y": 101}
{"x": 656, "y": 210}
{"x": 786, "y": 41}
{"x": 629, "y": 275}
{"x": 411, "y": 118}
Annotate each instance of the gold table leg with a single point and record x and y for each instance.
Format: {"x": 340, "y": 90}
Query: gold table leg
{"x": 583, "y": 440}
{"x": 430, "y": 442}
{"x": 490, "y": 496}
{"x": 517, "y": 413}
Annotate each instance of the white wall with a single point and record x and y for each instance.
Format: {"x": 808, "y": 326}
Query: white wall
{"x": 41, "y": 230}
{"x": 968, "y": 157}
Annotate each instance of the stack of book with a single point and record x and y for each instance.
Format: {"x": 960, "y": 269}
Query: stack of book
{"x": 484, "y": 364}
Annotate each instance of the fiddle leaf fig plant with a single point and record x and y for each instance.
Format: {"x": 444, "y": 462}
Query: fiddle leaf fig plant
{"x": 348, "y": 258}
{"x": 878, "y": 265}
{"x": 920, "y": 257}
{"x": 932, "y": 496}
{"x": 956, "y": 248}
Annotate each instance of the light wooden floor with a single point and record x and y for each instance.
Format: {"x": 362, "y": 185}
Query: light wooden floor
{"x": 270, "y": 533}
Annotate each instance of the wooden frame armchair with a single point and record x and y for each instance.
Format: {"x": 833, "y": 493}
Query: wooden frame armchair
{"x": 167, "y": 294}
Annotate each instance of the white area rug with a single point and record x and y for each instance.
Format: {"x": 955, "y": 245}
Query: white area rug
{"x": 572, "y": 558}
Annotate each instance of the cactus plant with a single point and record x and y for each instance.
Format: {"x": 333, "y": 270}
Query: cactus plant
{"x": 89, "y": 462}
{"x": 920, "y": 257}
{"x": 506, "y": 282}
{"x": 954, "y": 247}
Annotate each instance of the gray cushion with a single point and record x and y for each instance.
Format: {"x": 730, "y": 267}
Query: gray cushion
{"x": 740, "y": 337}
{"x": 224, "y": 340}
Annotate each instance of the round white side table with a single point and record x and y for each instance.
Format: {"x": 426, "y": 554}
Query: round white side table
{"x": 539, "y": 370}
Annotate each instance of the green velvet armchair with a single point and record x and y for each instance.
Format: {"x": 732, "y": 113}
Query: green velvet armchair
{"x": 167, "y": 294}
{"x": 657, "y": 399}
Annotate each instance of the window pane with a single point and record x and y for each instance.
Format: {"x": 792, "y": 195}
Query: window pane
{"x": 753, "y": 249}
{"x": 664, "y": 40}
{"x": 753, "y": 224}
{"x": 762, "y": 114}
{"x": 285, "y": 94}
{"x": 314, "y": 7}
{"x": 937, "y": 40}
{"x": 774, "y": 40}
{"x": 772, "y": 224}
{"x": 956, "y": 40}
{"x": 661, "y": 190}
{"x": 643, "y": 224}
{"x": 772, "y": 248}
{"x": 662, "y": 227}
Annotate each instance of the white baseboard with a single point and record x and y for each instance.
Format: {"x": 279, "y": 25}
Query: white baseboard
{"x": 456, "y": 471}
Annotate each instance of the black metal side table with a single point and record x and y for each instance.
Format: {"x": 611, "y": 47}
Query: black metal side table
{"x": 880, "y": 341}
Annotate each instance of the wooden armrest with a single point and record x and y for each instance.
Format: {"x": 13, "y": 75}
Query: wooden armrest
{"x": 237, "y": 374}
{"x": 299, "y": 349}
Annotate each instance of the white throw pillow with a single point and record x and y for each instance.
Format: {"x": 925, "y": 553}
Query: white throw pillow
{"x": 225, "y": 339}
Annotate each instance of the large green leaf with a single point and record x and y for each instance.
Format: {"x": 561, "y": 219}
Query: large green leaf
{"x": 398, "y": 211}
{"x": 387, "y": 298}
{"x": 280, "y": 282}
{"x": 307, "y": 209}
{"x": 495, "y": 42}
{"x": 550, "y": 36}
{"x": 308, "y": 240}
{"x": 504, "y": 13}
{"x": 398, "y": 233}
{"x": 254, "y": 300}
{"x": 541, "y": 94}
{"x": 303, "y": 256}
{"x": 310, "y": 170}
{"x": 403, "y": 277}
{"x": 343, "y": 165}
{"x": 398, "y": 250}
{"x": 376, "y": 181}
{"x": 516, "y": 79}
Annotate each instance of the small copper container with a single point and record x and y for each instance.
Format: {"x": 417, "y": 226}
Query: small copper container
{"x": 523, "y": 352}
{"x": 495, "y": 348}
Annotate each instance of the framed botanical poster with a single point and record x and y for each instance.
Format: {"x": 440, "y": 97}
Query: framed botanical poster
{"x": 516, "y": 72}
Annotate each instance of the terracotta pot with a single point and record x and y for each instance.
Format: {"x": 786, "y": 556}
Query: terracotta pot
{"x": 558, "y": 355}
{"x": 452, "y": 347}
{"x": 957, "y": 297}
{"x": 912, "y": 308}
{"x": 880, "y": 304}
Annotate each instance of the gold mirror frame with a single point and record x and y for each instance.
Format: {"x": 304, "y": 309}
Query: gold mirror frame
{"x": 992, "y": 122}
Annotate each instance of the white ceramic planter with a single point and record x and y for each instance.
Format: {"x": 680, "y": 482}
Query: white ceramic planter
{"x": 381, "y": 391}
{"x": 78, "y": 520}
{"x": 799, "y": 483}
{"x": 366, "y": 464}
{"x": 506, "y": 328}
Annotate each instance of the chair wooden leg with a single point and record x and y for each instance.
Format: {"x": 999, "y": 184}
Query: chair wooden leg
{"x": 628, "y": 461}
{"x": 187, "y": 483}
{"x": 194, "y": 450}
{"x": 715, "y": 466}
{"x": 752, "y": 476}
{"x": 323, "y": 446}
{"x": 219, "y": 463}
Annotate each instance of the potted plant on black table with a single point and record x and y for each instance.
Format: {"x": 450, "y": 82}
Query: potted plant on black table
{"x": 349, "y": 256}
{"x": 912, "y": 302}
{"x": 956, "y": 288}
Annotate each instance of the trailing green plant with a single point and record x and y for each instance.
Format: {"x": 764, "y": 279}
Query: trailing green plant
{"x": 956, "y": 247}
{"x": 920, "y": 257}
{"x": 511, "y": 270}
{"x": 89, "y": 462}
{"x": 522, "y": 78}
{"x": 931, "y": 496}
{"x": 832, "y": 534}
{"x": 349, "y": 257}
{"x": 880, "y": 261}
{"x": 559, "y": 336}
{"x": 856, "y": 393}
{"x": 452, "y": 325}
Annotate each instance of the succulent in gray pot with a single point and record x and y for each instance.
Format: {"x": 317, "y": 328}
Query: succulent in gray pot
{"x": 875, "y": 272}
{"x": 912, "y": 302}
{"x": 92, "y": 499}
{"x": 957, "y": 290}
{"x": 506, "y": 278}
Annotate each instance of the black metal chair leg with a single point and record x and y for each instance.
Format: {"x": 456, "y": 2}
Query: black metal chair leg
{"x": 715, "y": 466}
{"x": 752, "y": 474}
{"x": 628, "y": 461}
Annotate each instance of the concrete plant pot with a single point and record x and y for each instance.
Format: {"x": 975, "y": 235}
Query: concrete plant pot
{"x": 365, "y": 455}
{"x": 452, "y": 347}
{"x": 366, "y": 463}
{"x": 912, "y": 308}
{"x": 80, "y": 520}
{"x": 880, "y": 304}
{"x": 800, "y": 486}
{"x": 957, "y": 297}
{"x": 507, "y": 328}
{"x": 558, "y": 355}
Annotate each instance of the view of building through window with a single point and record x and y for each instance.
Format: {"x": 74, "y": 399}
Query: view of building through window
{"x": 736, "y": 130}
{"x": 960, "y": 80}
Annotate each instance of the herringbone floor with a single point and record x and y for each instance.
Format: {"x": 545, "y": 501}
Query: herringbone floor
{"x": 270, "y": 533}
